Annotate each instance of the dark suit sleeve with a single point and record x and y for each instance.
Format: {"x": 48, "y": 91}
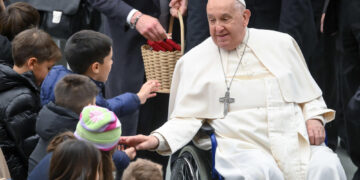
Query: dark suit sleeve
{"x": 113, "y": 9}
{"x": 326, "y": 5}
{"x": 292, "y": 16}
{"x": 5, "y": 51}
{"x": 331, "y": 18}
{"x": 355, "y": 22}
{"x": 297, "y": 19}
{"x": 356, "y": 30}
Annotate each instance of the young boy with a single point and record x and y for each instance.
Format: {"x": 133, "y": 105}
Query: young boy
{"x": 90, "y": 53}
{"x": 100, "y": 127}
{"x": 34, "y": 53}
{"x": 72, "y": 94}
{"x": 143, "y": 169}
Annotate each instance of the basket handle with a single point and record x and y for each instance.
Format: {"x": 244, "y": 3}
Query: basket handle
{"x": 181, "y": 30}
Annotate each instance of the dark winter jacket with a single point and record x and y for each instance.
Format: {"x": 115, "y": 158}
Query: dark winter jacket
{"x": 5, "y": 51}
{"x": 41, "y": 171}
{"x": 52, "y": 120}
{"x": 19, "y": 105}
{"x": 121, "y": 105}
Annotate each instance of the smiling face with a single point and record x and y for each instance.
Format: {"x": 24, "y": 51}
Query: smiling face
{"x": 227, "y": 22}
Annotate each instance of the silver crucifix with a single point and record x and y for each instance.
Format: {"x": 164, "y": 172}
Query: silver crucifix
{"x": 226, "y": 100}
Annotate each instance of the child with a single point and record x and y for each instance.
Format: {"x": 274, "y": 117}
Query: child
{"x": 41, "y": 171}
{"x": 4, "y": 170}
{"x": 34, "y": 53}
{"x": 143, "y": 169}
{"x": 90, "y": 53}
{"x": 102, "y": 128}
{"x": 74, "y": 159}
{"x": 15, "y": 18}
{"x": 72, "y": 94}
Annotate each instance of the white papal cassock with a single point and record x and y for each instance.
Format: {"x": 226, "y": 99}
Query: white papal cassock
{"x": 264, "y": 134}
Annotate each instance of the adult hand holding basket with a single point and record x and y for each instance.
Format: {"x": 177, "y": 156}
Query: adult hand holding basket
{"x": 160, "y": 65}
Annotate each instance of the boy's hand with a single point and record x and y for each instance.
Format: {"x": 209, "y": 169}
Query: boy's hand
{"x": 148, "y": 90}
{"x": 131, "y": 152}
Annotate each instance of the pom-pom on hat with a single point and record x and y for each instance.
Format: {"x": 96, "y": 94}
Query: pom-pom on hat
{"x": 99, "y": 126}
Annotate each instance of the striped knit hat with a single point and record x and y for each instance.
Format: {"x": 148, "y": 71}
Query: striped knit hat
{"x": 99, "y": 126}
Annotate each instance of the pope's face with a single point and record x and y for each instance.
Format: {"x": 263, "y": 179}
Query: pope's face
{"x": 227, "y": 22}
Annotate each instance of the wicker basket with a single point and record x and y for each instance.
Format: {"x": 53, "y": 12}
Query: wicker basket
{"x": 160, "y": 65}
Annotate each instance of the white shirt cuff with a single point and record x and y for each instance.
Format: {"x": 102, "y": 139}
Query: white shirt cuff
{"x": 163, "y": 145}
{"x": 130, "y": 15}
{"x": 319, "y": 117}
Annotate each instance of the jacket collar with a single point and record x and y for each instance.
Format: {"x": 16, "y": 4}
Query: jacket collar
{"x": 9, "y": 78}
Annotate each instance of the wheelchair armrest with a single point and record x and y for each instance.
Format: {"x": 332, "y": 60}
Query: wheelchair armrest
{"x": 207, "y": 129}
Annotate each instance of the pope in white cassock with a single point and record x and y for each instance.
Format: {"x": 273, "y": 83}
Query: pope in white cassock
{"x": 254, "y": 89}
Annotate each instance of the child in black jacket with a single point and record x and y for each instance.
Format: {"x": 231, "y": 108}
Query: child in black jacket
{"x": 34, "y": 53}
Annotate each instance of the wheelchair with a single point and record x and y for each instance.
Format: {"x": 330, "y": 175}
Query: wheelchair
{"x": 193, "y": 163}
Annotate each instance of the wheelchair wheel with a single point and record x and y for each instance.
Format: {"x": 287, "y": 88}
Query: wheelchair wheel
{"x": 192, "y": 164}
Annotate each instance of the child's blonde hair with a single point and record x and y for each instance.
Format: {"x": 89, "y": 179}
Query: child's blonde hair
{"x": 143, "y": 169}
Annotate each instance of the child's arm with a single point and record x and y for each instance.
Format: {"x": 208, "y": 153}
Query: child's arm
{"x": 130, "y": 152}
{"x": 148, "y": 90}
{"x": 122, "y": 159}
{"x": 128, "y": 103}
{"x": 122, "y": 104}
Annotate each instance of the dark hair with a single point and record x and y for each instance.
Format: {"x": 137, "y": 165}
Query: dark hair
{"x": 75, "y": 159}
{"x": 18, "y": 17}
{"x": 74, "y": 92}
{"x": 143, "y": 169}
{"x": 34, "y": 43}
{"x": 86, "y": 47}
{"x": 58, "y": 139}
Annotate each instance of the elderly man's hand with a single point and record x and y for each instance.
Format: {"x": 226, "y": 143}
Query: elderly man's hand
{"x": 316, "y": 131}
{"x": 140, "y": 142}
{"x": 2, "y": 5}
{"x": 322, "y": 22}
{"x": 149, "y": 27}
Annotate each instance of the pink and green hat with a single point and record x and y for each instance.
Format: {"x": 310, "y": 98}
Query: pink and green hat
{"x": 99, "y": 126}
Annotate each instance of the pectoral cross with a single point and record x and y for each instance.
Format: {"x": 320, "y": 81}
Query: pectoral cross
{"x": 226, "y": 100}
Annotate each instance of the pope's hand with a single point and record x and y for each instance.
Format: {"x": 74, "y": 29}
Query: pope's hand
{"x": 315, "y": 131}
{"x": 150, "y": 27}
{"x": 178, "y": 5}
{"x": 140, "y": 142}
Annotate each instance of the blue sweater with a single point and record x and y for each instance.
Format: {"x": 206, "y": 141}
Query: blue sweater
{"x": 121, "y": 105}
{"x": 41, "y": 170}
